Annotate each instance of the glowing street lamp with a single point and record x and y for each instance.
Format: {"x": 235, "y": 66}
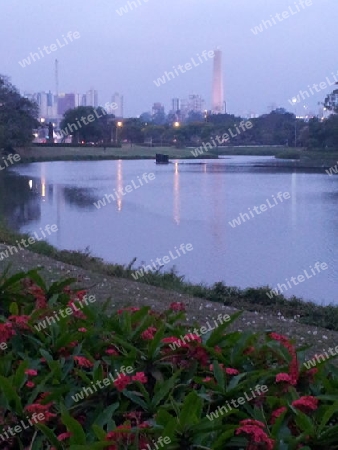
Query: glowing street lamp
{"x": 118, "y": 125}
{"x": 176, "y": 124}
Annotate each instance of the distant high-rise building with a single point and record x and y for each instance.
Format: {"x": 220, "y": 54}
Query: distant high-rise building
{"x": 158, "y": 108}
{"x": 92, "y": 98}
{"x": 196, "y": 103}
{"x": 118, "y": 99}
{"x": 218, "y": 105}
{"x": 175, "y": 104}
{"x": 65, "y": 102}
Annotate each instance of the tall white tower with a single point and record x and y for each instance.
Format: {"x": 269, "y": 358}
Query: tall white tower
{"x": 218, "y": 105}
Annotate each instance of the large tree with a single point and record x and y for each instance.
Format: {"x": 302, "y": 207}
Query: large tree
{"x": 18, "y": 116}
{"x": 88, "y": 124}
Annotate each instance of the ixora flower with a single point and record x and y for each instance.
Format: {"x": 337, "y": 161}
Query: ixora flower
{"x": 293, "y": 368}
{"x": 306, "y": 403}
{"x": 177, "y": 306}
{"x": 20, "y": 321}
{"x": 122, "y": 434}
{"x": 140, "y": 376}
{"x": 276, "y": 413}
{"x": 257, "y": 435}
{"x": 283, "y": 377}
{"x": 64, "y": 436}
{"x": 6, "y": 331}
{"x": 148, "y": 334}
{"x": 111, "y": 352}
{"x": 122, "y": 382}
{"x": 31, "y": 372}
{"x": 83, "y": 362}
{"x": 231, "y": 371}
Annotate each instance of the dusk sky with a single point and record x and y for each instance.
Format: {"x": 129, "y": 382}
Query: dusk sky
{"x": 126, "y": 53}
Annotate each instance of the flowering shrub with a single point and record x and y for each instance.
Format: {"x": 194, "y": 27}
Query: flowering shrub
{"x": 96, "y": 379}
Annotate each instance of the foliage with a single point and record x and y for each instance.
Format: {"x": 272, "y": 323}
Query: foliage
{"x": 170, "y": 393}
{"x": 88, "y": 124}
{"x": 17, "y": 116}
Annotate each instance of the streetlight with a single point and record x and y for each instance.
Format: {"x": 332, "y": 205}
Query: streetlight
{"x": 294, "y": 101}
{"x": 118, "y": 125}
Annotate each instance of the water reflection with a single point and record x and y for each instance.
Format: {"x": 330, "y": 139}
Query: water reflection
{"x": 176, "y": 186}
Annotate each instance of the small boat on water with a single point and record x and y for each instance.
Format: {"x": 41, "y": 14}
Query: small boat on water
{"x": 162, "y": 159}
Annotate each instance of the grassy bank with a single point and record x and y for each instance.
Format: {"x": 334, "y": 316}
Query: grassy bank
{"x": 251, "y": 299}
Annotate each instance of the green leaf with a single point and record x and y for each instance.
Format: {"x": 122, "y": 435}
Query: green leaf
{"x": 106, "y": 416}
{"x": 14, "y": 309}
{"x": 134, "y": 397}
{"x": 163, "y": 388}
{"x": 50, "y": 436}
{"x": 191, "y": 410}
{"x": 10, "y": 394}
{"x": 219, "y": 375}
{"x": 218, "y": 334}
{"x": 72, "y": 425}
{"x": 329, "y": 412}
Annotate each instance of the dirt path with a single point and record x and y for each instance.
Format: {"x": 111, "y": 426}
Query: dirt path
{"x": 123, "y": 292}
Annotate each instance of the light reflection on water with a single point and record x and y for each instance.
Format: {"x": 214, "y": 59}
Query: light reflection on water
{"x": 188, "y": 202}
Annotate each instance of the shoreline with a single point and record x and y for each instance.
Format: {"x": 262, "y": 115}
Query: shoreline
{"x": 252, "y": 299}
{"x": 285, "y": 158}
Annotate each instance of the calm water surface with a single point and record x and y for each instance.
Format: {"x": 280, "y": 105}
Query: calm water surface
{"x": 188, "y": 202}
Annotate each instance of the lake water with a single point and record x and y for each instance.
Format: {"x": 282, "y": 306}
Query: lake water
{"x": 188, "y": 202}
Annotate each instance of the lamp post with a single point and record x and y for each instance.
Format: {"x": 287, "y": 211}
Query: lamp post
{"x": 118, "y": 125}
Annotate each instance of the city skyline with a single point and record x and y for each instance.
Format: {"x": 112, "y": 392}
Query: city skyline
{"x": 261, "y": 69}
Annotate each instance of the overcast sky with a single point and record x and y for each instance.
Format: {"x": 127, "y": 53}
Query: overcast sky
{"x": 126, "y": 53}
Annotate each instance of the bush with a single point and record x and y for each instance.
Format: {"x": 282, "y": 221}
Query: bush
{"x": 75, "y": 376}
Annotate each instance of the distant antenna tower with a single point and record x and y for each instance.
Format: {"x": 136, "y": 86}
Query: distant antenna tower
{"x": 57, "y": 77}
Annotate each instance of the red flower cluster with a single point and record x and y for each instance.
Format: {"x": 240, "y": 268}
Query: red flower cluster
{"x": 36, "y": 408}
{"x": 306, "y": 403}
{"x": 83, "y": 362}
{"x": 38, "y": 294}
{"x": 278, "y": 412}
{"x": 149, "y": 333}
{"x": 20, "y": 321}
{"x": 6, "y": 332}
{"x": 257, "y": 435}
{"x": 124, "y": 380}
{"x": 293, "y": 368}
{"x": 177, "y": 306}
{"x": 123, "y": 435}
